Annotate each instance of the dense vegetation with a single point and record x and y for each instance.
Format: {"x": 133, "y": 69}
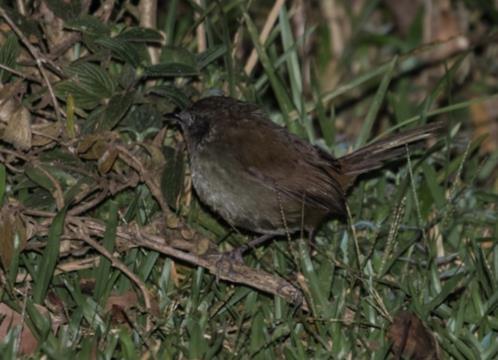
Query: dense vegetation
{"x": 105, "y": 250}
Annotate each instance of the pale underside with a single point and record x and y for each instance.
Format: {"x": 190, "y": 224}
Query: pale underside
{"x": 263, "y": 167}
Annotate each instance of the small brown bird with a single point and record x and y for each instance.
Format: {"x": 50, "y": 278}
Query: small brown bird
{"x": 260, "y": 177}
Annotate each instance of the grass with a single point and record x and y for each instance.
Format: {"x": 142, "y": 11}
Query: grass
{"x": 421, "y": 237}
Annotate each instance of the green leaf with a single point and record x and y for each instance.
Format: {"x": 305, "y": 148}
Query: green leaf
{"x": 207, "y": 57}
{"x": 376, "y": 103}
{"x": 436, "y": 190}
{"x": 92, "y": 78}
{"x": 142, "y": 118}
{"x": 38, "y": 177}
{"x": 173, "y": 175}
{"x": 83, "y": 99}
{"x": 177, "y": 54}
{"x": 293, "y": 66}
{"x": 171, "y": 19}
{"x": 170, "y": 70}
{"x": 140, "y": 34}
{"x": 89, "y": 85}
{"x": 449, "y": 287}
{"x": 116, "y": 109}
{"x": 8, "y": 55}
{"x": 172, "y": 93}
{"x": 49, "y": 258}
{"x": 65, "y": 9}
{"x": 88, "y": 25}
{"x": 278, "y": 87}
{"x": 103, "y": 271}
{"x": 327, "y": 125}
{"x": 122, "y": 49}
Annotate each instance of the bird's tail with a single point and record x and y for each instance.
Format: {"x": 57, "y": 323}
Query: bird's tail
{"x": 391, "y": 148}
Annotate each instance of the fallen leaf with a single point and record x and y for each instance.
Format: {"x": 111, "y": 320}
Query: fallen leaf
{"x": 411, "y": 339}
{"x": 9, "y": 319}
{"x": 13, "y": 234}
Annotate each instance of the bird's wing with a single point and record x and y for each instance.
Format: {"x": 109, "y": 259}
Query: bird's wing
{"x": 285, "y": 163}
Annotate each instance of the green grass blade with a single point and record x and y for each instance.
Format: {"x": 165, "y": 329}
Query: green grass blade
{"x": 103, "y": 271}
{"x": 280, "y": 92}
{"x": 49, "y": 258}
{"x": 376, "y": 103}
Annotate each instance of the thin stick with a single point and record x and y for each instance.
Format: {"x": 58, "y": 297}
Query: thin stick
{"x": 270, "y": 21}
{"x": 200, "y": 32}
{"x": 39, "y": 58}
{"x": 20, "y": 74}
{"x": 118, "y": 264}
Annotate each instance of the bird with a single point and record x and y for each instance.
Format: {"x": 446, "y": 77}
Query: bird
{"x": 259, "y": 177}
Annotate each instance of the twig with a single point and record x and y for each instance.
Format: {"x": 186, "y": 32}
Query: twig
{"x": 118, "y": 264}
{"x": 148, "y": 19}
{"x": 270, "y": 21}
{"x": 200, "y": 32}
{"x": 57, "y": 193}
{"x": 137, "y": 165}
{"x": 64, "y": 45}
{"x": 20, "y": 74}
{"x": 39, "y": 58}
{"x": 105, "y": 11}
{"x": 228, "y": 270}
{"x": 215, "y": 263}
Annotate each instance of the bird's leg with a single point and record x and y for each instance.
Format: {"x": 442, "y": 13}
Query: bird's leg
{"x": 237, "y": 253}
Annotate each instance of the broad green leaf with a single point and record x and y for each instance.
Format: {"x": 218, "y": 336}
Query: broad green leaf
{"x": 88, "y": 25}
{"x": 172, "y": 93}
{"x": 39, "y": 177}
{"x": 170, "y": 70}
{"x": 173, "y": 175}
{"x": 139, "y": 34}
{"x": 8, "y": 55}
{"x": 82, "y": 98}
{"x": 142, "y": 118}
{"x": 210, "y": 55}
{"x": 65, "y": 9}
{"x": 92, "y": 79}
{"x": 116, "y": 109}
{"x": 122, "y": 49}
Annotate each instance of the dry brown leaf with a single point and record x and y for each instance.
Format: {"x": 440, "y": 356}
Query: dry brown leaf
{"x": 45, "y": 133}
{"x": 16, "y": 121}
{"x": 107, "y": 160}
{"x": 12, "y": 230}
{"x": 411, "y": 339}
{"x": 404, "y": 12}
{"x": 93, "y": 146}
{"x": 124, "y": 301}
{"x": 484, "y": 116}
{"x": 445, "y": 26}
{"x": 11, "y": 319}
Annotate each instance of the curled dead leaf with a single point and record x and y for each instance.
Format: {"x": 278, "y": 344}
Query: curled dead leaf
{"x": 187, "y": 234}
{"x": 13, "y": 235}
{"x": 157, "y": 159}
{"x": 172, "y": 221}
{"x": 411, "y": 338}
{"x": 93, "y": 146}
{"x": 202, "y": 246}
{"x": 15, "y": 124}
{"x": 45, "y": 133}
{"x": 107, "y": 160}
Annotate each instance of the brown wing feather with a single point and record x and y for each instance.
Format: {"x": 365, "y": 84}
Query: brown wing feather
{"x": 276, "y": 159}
